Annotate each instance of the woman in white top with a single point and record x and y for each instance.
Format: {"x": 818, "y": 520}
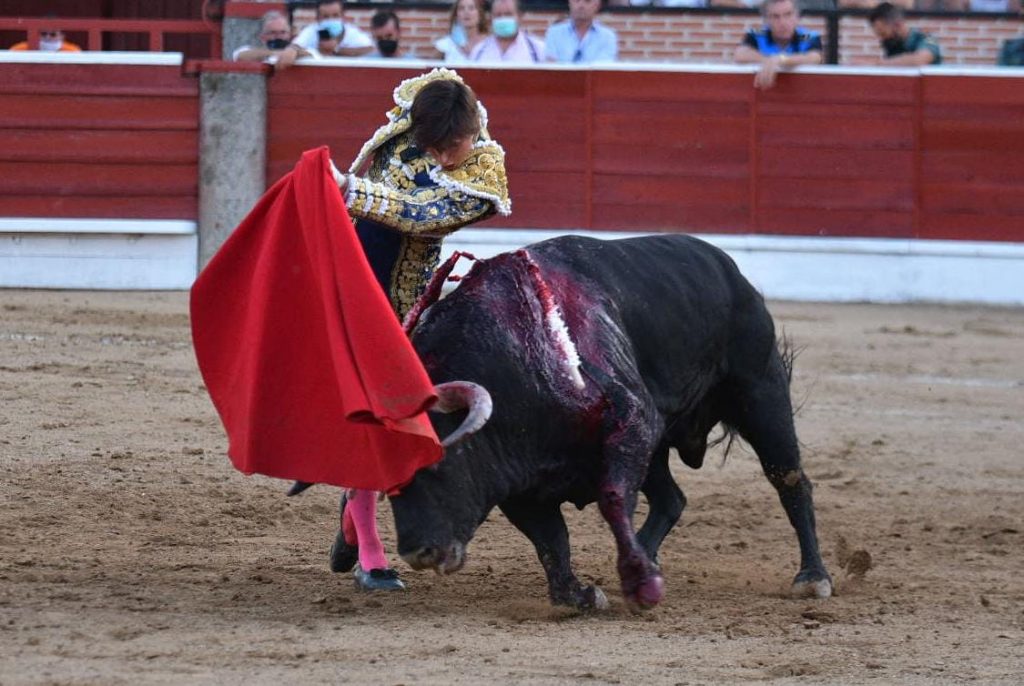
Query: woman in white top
{"x": 469, "y": 25}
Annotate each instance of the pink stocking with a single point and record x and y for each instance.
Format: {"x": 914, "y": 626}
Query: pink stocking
{"x": 363, "y": 506}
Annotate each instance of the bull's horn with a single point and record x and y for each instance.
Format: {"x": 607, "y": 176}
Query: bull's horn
{"x": 456, "y": 395}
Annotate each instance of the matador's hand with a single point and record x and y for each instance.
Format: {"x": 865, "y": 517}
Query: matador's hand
{"x": 339, "y": 178}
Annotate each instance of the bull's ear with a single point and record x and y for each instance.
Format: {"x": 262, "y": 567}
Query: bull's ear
{"x": 457, "y": 395}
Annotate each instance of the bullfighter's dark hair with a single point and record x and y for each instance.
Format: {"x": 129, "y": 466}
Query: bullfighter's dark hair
{"x": 442, "y": 113}
{"x": 885, "y": 11}
{"x": 381, "y": 18}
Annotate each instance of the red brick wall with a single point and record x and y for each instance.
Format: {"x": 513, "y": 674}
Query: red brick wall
{"x": 691, "y": 37}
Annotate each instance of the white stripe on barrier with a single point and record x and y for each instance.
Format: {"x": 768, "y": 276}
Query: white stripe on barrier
{"x": 91, "y": 57}
{"x": 120, "y": 226}
{"x": 833, "y": 269}
{"x": 668, "y": 67}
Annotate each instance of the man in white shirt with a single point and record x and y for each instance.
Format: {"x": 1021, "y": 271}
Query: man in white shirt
{"x": 508, "y": 42}
{"x": 331, "y": 35}
{"x": 581, "y": 38}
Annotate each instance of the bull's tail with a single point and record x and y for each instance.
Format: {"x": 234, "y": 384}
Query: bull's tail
{"x": 788, "y": 353}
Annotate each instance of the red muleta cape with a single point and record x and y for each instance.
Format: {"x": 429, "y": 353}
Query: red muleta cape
{"x": 300, "y": 350}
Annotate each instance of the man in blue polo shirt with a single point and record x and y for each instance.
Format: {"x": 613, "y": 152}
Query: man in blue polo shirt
{"x": 581, "y": 38}
{"x": 781, "y": 44}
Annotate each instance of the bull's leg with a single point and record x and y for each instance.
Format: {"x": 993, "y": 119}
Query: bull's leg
{"x": 345, "y": 551}
{"x": 544, "y": 525}
{"x": 765, "y": 420}
{"x": 665, "y": 503}
{"x": 630, "y": 436}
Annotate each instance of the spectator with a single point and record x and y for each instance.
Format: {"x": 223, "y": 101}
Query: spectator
{"x": 508, "y": 43}
{"x": 902, "y": 45}
{"x": 659, "y": 3}
{"x": 993, "y": 6}
{"x": 780, "y": 44}
{"x": 387, "y": 32}
{"x": 50, "y": 40}
{"x": 869, "y": 4}
{"x": 275, "y": 44}
{"x": 748, "y": 4}
{"x": 1001, "y": 6}
{"x": 581, "y": 38}
{"x": 1012, "y": 53}
{"x": 331, "y": 35}
{"x": 940, "y": 5}
{"x": 468, "y": 25}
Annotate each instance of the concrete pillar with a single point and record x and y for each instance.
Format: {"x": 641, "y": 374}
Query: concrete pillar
{"x": 238, "y": 31}
{"x": 232, "y": 153}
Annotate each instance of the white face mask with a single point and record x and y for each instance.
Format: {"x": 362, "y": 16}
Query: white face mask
{"x": 50, "y": 44}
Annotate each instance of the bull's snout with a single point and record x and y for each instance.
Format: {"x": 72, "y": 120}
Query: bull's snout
{"x": 444, "y": 560}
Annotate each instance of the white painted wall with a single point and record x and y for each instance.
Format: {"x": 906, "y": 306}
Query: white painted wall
{"x": 834, "y": 269}
{"x": 141, "y": 254}
{"x": 119, "y": 254}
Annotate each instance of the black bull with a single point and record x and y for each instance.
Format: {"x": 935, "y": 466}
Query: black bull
{"x": 670, "y": 339}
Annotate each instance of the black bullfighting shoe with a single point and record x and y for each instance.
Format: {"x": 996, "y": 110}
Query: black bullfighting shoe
{"x": 344, "y": 555}
{"x": 378, "y": 580}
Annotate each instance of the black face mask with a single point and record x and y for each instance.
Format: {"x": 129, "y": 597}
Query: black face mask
{"x": 387, "y": 46}
{"x": 277, "y": 43}
{"x": 893, "y": 46}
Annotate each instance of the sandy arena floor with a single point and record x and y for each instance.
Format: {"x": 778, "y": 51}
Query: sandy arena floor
{"x": 131, "y": 551}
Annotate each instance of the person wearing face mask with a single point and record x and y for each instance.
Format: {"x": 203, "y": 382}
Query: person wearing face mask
{"x": 387, "y": 32}
{"x": 50, "y": 40}
{"x": 331, "y": 35}
{"x": 275, "y": 45}
{"x": 431, "y": 170}
{"x": 468, "y": 26}
{"x": 902, "y": 45}
{"x": 509, "y": 42}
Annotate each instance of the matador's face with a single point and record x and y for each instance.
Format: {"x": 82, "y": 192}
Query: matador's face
{"x": 454, "y": 155}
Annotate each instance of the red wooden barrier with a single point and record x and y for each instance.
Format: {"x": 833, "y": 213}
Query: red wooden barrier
{"x": 823, "y": 154}
{"x": 832, "y": 154}
{"x": 98, "y": 140}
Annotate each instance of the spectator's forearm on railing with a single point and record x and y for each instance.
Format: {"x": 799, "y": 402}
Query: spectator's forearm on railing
{"x": 920, "y": 58}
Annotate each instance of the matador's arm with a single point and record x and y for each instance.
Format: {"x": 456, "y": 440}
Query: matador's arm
{"x": 427, "y": 210}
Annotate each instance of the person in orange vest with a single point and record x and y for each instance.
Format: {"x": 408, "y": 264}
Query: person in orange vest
{"x": 50, "y": 40}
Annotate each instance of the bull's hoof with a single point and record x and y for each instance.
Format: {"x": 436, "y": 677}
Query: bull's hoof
{"x": 811, "y": 585}
{"x": 647, "y": 593}
{"x": 581, "y": 598}
{"x": 594, "y": 599}
{"x": 343, "y": 555}
{"x": 378, "y": 580}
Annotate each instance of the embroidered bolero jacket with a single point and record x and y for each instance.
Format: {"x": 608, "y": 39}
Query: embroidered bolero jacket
{"x": 406, "y": 203}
